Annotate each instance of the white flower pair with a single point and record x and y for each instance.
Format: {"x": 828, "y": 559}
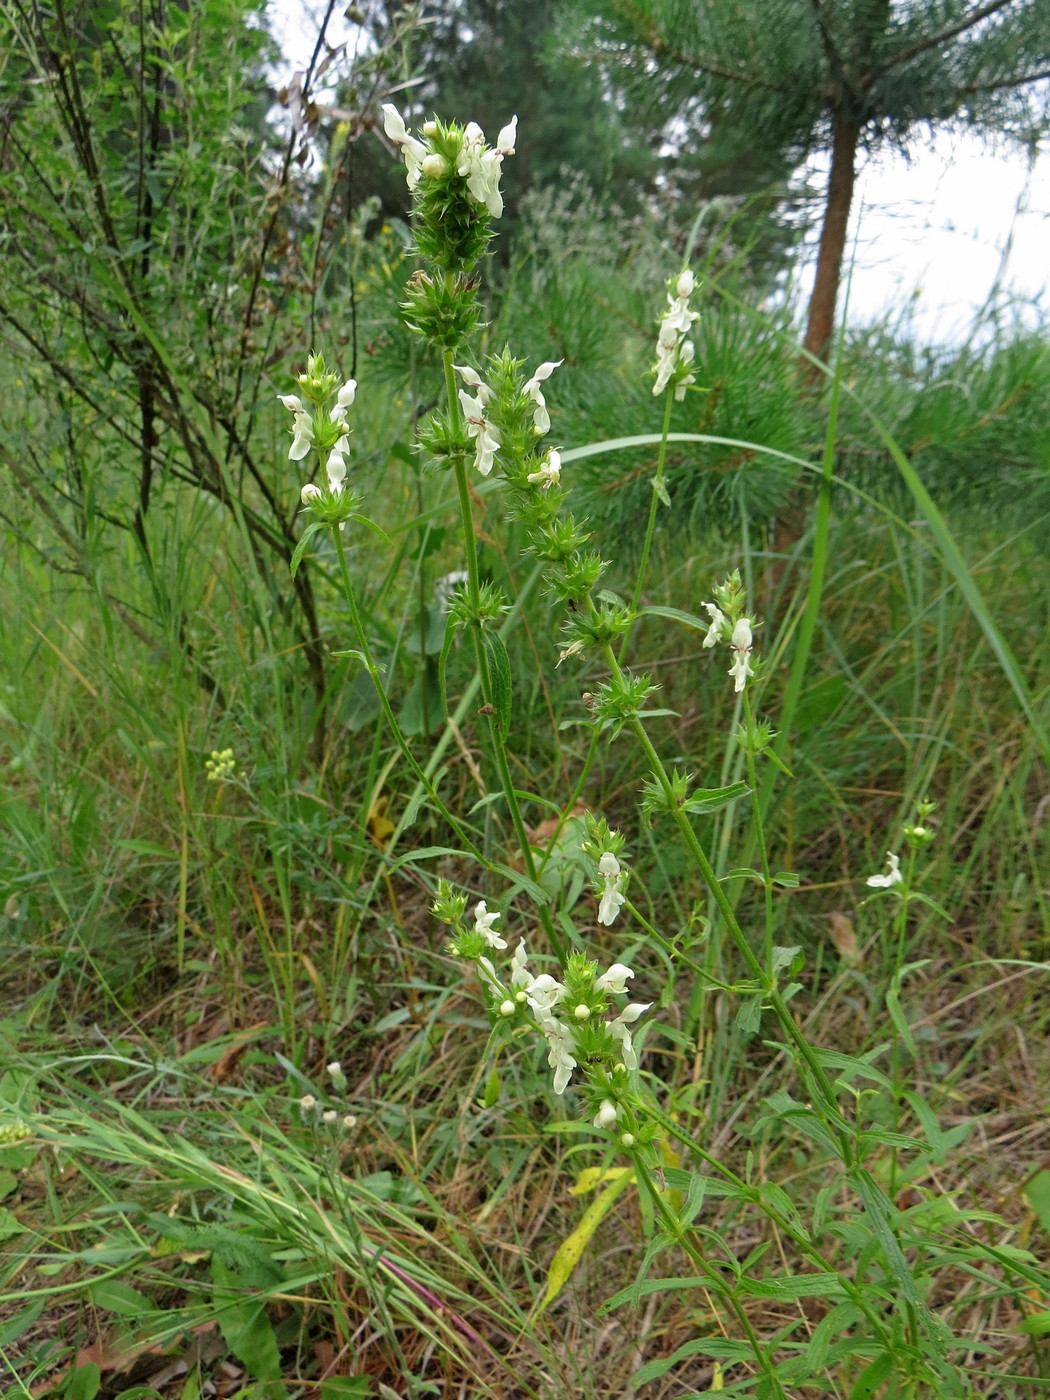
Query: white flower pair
{"x": 480, "y": 164}
{"x": 741, "y": 640}
{"x": 674, "y": 352}
{"x": 304, "y": 436}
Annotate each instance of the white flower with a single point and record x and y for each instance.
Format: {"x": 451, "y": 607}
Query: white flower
{"x": 483, "y": 922}
{"x": 473, "y": 145}
{"x": 329, "y": 1115}
{"x": 717, "y": 618}
{"x": 892, "y": 876}
{"x": 303, "y": 435}
{"x": 612, "y": 897}
{"x": 484, "y": 433}
{"x": 674, "y": 354}
{"x": 573, "y": 649}
{"x": 607, "y": 1115}
{"x": 473, "y": 380}
{"x": 560, "y": 1056}
{"x": 544, "y": 994}
{"x": 309, "y": 493}
{"x": 520, "y": 976}
{"x": 612, "y": 902}
{"x": 414, "y": 151}
{"x": 394, "y": 124}
{"x": 345, "y": 397}
{"x": 619, "y": 1032}
{"x": 740, "y": 670}
{"x": 615, "y": 980}
{"x": 349, "y": 1121}
{"x": 686, "y": 354}
{"x": 487, "y": 973}
{"x": 541, "y": 418}
{"x": 679, "y": 318}
{"x": 507, "y": 137}
{"x": 549, "y": 473}
{"x": 741, "y": 645}
{"x": 482, "y": 167}
{"x": 292, "y": 403}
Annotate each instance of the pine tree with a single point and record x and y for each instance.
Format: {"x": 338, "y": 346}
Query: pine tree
{"x": 787, "y": 78}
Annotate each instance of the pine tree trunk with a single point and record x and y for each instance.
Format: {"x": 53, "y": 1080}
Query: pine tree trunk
{"x": 845, "y": 133}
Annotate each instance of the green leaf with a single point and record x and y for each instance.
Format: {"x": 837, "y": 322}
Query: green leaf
{"x": 10, "y": 1225}
{"x": 570, "y": 1251}
{"x": 346, "y": 1388}
{"x": 1037, "y": 1193}
{"x": 749, "y": 1017}
{"x": 111, "y": 1295}
{"x": 703, "y": 800}
{"x": 499, "y": 667}
{"x": 742, "y": 872}
{"x": 371, "y": 525}
{"x": 716, "y": 1347}
{"x": 823, "y": 1285}
{"x": 85, "y": 1383}
{"x": 784, "y": 958}
{"x": 787, "y": 878}
{"x": 878, "y": 1210}
{"x": 841, "y": 1316}
{"x": 492, "y": 1088}
{"x": 822, "y": 1209}
{"x": 869, "y": 1380}
{"x": 897, "y": 1016}
{"x": 304, "y": 540}
{"x": 241, "y": 1314}
{"x": 687, "y": 619}
{"x": 932, "y": 904}
{"x": 854, "y": 1065}
{"x": 661, "y": 492}
{"x": 13, "y": 1328}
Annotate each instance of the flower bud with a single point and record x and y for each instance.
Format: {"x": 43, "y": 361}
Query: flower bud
{"x": 507, "y": 1008}
{"x": 627, "y": 1139}
{"x": 582, "y": 1012}
{"x": 434, "y": 166}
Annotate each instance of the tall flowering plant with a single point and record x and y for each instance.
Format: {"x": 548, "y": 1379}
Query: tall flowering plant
{"x": 539, "y": 983}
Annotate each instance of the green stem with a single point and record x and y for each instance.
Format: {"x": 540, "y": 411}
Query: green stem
{"x": 756, "y": 809}
{"x": 499, "y": 739}
{"x": 388, "y": 713}
{"x": 801, "y": 1240}
{"x": 673, "y": 1228}
{"x": 764, "y": 981}
{"x": 588, "y": 764}
{"x": 654, "y": 505}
